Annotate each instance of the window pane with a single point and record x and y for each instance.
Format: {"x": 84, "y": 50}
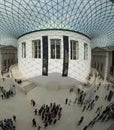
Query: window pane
{"x": 52, "y": 51}
{"x": 23, "y": 50}
{"x": 74, "y": 49}
{"x": 58, "y": 51}
{"x": 35, "y": 52}
{"x": 36, "y": 49}
{"x": 55, "y": 48}
{"x": 71, "y": 50}
{"x": 85, "y": 51}
{"x": 77, "y": 50}
{"x": 39, "y": 51}
{"x": 74, "y": 54}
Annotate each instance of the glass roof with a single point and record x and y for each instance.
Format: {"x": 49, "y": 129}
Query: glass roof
{"x": 94, "y": 18}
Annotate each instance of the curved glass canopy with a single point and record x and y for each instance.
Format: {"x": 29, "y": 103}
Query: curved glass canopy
{"x": 94, "y": 18}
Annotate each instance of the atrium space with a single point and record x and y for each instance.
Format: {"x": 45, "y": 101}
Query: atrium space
{"x": 56, "y": 64}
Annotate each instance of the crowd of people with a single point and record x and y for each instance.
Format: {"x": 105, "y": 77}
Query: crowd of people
{"x": 5, "y": 94}
{"x": 8, "y": 124}
{"x": 103, "y": 116}
{"x": 49, "y": 114}
{"x": 89, "y": 103}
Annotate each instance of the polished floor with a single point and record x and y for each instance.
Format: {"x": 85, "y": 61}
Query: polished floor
{"x": 20, "y": 106}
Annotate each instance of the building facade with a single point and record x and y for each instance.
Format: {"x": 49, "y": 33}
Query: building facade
{"x": 54, "y": 51}
{"x": 102, "y": 60}
{"x": 8, "y": 57}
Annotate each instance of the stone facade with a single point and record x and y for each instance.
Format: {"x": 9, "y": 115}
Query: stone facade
{"x": 8, "y": 57}
{"x": 102, "y": 61}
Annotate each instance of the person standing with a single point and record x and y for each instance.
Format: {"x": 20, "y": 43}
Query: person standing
{"x": 35, "y": 111}
{"x": 45, "y": 125}
{"x": 34, "y": 122}
{"x": 34, "y": 103}
{"x": 14, "y": 118}
{"x": 66, "y": 101}
{"x": 2, "y": 96}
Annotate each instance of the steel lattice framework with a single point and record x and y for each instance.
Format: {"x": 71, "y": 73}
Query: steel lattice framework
{"x": 94, "y": 18}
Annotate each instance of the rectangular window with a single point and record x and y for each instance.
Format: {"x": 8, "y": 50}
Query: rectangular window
{"x": 23, "y": 50}
{"x": 74, "y": 50}
{"x": 85, "y": 51}
{"x": 55, "y": 48}
{"x": 36, "y": 49}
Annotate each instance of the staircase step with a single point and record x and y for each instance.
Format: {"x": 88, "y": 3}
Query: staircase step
{"x": 29, "y": 87}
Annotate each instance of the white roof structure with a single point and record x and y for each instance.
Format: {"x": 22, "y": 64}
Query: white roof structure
{"x": 94, "y": 18}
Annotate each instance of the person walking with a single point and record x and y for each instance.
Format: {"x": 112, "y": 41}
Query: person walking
{"x": 80, "y": 121}
{"x": 84, "y": 108}
{"x": 54, "y": 121}
{"x": 85, "y": 128}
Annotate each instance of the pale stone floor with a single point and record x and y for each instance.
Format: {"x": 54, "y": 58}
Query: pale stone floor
{"x": 20, "y": 106}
